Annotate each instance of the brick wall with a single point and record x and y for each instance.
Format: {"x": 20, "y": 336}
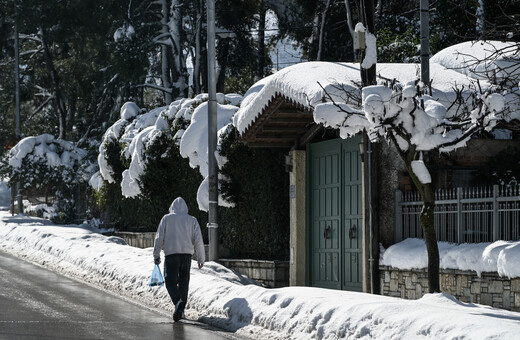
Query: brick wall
{"x": 488, "y": 289}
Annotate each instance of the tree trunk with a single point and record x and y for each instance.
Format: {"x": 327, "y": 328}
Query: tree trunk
{"x": 179, "y": 71}
{"x": 261, "y": 42}
{"x": 368, "y": 76}
{"x": 322, "y": 30}
{"x": 222, "y": 64}
{"x": 71, "y": 113}
{"x": 165, "y": 52}
{"x": 481, "y": 19}
{"x": 350, "y": 24}
{"x": 427, "y": 224}
{"x": 430, "y": 238}
{"x": 197, "y": 57}
{"x": 58, "y": 103}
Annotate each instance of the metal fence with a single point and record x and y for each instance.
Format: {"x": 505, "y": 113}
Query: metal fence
{"x": 463, "y": 215}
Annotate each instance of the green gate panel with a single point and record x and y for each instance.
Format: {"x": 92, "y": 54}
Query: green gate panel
{"x": 336, "y": 214}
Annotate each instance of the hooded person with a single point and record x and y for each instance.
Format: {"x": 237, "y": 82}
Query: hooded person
{"x": 179, "y": 236}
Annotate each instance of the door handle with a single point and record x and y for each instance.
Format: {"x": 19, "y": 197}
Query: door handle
{"x": 326, "y": 233}
{"x": 352, "y": 232}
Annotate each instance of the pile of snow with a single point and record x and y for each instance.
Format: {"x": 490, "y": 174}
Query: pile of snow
{"x": 500, "y": 256}
{"x": 224, "y": 299}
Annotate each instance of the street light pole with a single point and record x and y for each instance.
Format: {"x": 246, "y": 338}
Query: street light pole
{"x": 212, "y": 135}
{"x": 17, "y": 98}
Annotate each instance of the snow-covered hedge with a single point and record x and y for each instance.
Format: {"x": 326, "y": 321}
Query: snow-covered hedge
{"x": 44, "y": 164}
{"x": 182, "y": 123}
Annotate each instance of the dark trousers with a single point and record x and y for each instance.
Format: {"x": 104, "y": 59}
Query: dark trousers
{"x": 177, "y": 277}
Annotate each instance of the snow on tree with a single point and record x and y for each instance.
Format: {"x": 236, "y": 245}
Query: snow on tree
{"x": 50, "y": 166}
{"x": 137, "y": 133}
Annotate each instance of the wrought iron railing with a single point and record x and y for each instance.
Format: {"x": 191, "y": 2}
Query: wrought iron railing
{"x": 463, "y": 215}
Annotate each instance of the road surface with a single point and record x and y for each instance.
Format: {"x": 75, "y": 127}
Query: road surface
{"x": 36, "y": 303}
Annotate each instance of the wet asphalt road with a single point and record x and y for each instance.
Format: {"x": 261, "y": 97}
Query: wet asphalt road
{"x": 36, "y": 303}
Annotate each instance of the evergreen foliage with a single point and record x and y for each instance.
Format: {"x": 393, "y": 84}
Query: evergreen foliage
{"x": 258, "y": 225}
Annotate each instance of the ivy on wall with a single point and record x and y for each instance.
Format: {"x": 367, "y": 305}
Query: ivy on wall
{"x": 258, "y": 226}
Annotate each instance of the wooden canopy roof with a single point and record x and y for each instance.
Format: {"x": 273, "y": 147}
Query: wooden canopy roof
{"x": 283, "y": 123}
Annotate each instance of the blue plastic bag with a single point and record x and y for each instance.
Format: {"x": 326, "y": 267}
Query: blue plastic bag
{"x": 157, "y": 278}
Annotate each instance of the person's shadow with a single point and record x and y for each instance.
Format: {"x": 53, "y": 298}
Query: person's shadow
{"x": 238, "y": 315}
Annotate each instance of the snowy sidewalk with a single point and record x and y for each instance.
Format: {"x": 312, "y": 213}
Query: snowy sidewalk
{"x": 224, "y": 299}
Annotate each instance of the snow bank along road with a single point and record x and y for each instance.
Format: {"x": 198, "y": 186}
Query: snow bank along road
{"x": 224, "y": 299}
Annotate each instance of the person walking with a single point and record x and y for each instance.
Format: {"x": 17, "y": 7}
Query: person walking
{"x": 179, "y": 236}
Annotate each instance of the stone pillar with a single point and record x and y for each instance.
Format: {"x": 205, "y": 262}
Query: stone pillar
{"x": 297, "y": 261}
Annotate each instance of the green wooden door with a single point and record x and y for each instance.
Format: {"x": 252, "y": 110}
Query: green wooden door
{"x": 335, "y": 217}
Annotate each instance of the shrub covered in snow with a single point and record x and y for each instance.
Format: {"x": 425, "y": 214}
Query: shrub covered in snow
{"x": 50, "y": 167}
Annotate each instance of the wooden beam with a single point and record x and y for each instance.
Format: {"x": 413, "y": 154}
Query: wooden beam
{"x": 284, "y": 120}
{"x": 311, "y": 132}
{"x": 285, "y": 145}
{"x": 282, "y": 136}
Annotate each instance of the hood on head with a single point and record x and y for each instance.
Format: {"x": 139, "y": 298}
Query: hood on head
{"x": 179, "y": 206}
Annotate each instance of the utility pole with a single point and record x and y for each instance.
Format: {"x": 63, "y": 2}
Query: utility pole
{"x": 212, "y": 136}
{"x": 17, "y": 98}
{"x": 425, "y": 41}
{"x": 368, "y": 76}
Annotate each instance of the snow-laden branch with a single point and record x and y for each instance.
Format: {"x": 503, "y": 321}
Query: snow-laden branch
{"x": 410, "y": 118}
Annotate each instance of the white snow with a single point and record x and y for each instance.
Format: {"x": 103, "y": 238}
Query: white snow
{"x": 420, "y": 170}
{"x": 500, "y": 256}
{"x": 331, "y": 91}
{"x": 227, "y": 300}
{"x": 301, "y": 84}
{"x": 44, "y": 147}
{"x": 482, "y": 59}
{"x": 136, "y": 132}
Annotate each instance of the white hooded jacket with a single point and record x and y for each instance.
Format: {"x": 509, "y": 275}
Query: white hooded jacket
{"x": 179, "y": 233}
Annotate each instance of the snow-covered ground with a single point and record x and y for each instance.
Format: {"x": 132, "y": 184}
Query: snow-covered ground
{"x": 222, "y": 298}
{"x": 502, "y": 257}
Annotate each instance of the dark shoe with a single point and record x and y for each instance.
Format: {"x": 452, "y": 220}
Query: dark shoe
{"x": 177, "y": 315}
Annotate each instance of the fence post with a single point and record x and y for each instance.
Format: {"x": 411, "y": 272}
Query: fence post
{"x": 460, "y": 235}
{"x": 496, "y": 231}
{"x": 398, "y": 216}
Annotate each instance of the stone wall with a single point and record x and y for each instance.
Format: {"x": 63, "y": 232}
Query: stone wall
{"x": 272, "y": 274}
{"x": 138, "y": 240}
{"x": 488, "y": 289}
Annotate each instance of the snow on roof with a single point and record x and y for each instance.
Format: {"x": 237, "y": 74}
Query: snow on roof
{"x": 482, "y": 59}
{"x": 299, "y": 83}
{"x": 312, "y": 83}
